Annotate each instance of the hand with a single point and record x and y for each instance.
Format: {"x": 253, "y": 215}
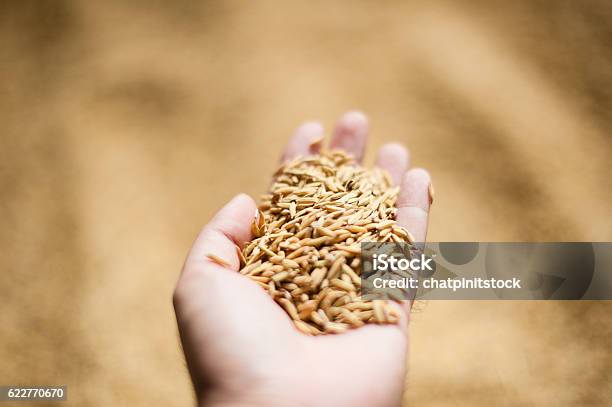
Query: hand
{"x": 242, "y": 348}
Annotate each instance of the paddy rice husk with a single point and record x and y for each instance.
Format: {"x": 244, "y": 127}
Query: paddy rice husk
{"x": 307, "y": 240}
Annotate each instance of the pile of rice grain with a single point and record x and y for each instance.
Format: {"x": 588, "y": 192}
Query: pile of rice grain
{"x": 307, "y": 235}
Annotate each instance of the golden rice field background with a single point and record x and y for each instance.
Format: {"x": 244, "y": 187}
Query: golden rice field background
{"x": 125, "y": 125}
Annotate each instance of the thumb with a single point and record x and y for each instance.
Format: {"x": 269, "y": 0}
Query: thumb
{"x": 230, "y": 227}
{"x": 218, "y": 310}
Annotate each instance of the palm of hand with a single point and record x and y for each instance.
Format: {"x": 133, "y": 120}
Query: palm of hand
{"x": 242, "y": 349}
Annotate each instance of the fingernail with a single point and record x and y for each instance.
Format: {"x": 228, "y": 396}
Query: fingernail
{"x": 315, "y": 144}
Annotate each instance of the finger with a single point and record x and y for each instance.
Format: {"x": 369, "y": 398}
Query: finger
{"x": 351, "y": 134}
{"x": 306, "y": 140}
{"x": 395, "y": 159}
{"x": 413, "y": 203}
{"x": 230, "y": 227}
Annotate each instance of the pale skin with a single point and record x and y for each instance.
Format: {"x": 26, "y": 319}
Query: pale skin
{"x": 241, "y": 347}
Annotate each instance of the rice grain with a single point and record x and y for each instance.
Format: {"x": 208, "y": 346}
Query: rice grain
{"x": 307, "y": 237}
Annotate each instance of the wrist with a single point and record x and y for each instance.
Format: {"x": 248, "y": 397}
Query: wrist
{"x": 241, "y": 400}
{"x": 241, "y": 403}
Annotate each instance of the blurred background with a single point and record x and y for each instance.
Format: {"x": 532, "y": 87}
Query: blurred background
{"x": 125, "y": 125}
